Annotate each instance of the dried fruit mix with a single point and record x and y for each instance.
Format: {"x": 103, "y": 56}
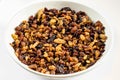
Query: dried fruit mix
{"x": 59, "y": 41}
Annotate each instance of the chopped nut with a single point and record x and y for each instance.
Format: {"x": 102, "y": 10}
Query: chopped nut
{"x": 56, "y": 59}
{"x": 82, "y": 37}
{"x": 33, "y": 66}
{"x": 52, "y": 21}
{"x": 47, "y": 72}
{"x": 70, "y": 43}
{"x": 91, "y": 59}
{"x": 48, "y": 59}
{"x": 52, "y": 67}
{"x": 48, "y": 44}
{"x": 43, "y": 70}
{"x": 68, "y": 17}
{"x": 75, "y": 59}
{"x": 59, "y": 35}
{"x": 39, "y": 14}
{"x": 17, "y": 42}
{"x": 59, "y": 47}
{"x": 23, "y": 44}
{"x": 84, "y": 19}
{"x": 76, "y": 67}
{"x": 82, "y": 68}
{"x": 38, "y": 34}
{"x": 63, "y": 31}
{"x": 103, "y": 36}
{"x": 43, "y": 16}
{"x": 85, "y": 57}
{"x": 42, "y": 62}
{"x": 45, "y": 54}
{"x": 14, "y": 36}
{"x": 60, "y": 41}
{"x": 97, "y": 53}
{"x": 87, "y": 61}
{"x": 74, "y": 42}
{"x": 16, "y": 54}
{"x": 53, "y": 26}
{"x": 55, "y": 31}
{"x": 52, "y": 72}
{"x": 27, "y": 58}
{"x": 87, "y": 33}
{"x": 34, "y": 45}
{"x": 70, "y": 36}
{"x": 24, "y": 48}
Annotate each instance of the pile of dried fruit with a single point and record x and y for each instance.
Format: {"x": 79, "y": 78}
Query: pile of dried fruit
{"x": 59, "y": 41}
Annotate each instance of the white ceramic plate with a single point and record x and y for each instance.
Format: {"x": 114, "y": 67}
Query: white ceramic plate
{"x": 24, "y": 13}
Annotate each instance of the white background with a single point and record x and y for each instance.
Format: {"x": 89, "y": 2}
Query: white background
{"x": 108, "y": 70}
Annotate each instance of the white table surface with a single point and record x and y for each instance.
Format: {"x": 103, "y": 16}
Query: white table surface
{"x": 108, "y": 70}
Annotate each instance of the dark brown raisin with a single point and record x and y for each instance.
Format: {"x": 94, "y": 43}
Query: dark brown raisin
{"x": 71, "y": 49}
{"x": 73, "y": 11}
{"x": 39, "y": 46}
{"x": 87, "y": 52}
{"x": 60, "y": 69}
{"x": 18, "y": 28}
{"x": 51, "y": 38}
{"x": 39, "y": 23}
{"x": 84, "y": 63}
{"x": 45, "y": 9}
{"x": 82, "y": 54}
{"x": 75, "y": 53}
{"x": 79, "y": 19}
{"x": 45, "y": 23}
{"x": 54, "y": 44}
{"x": 31, "y": 17}
{"x": 81, "y": 13}
{"x": 66, "y": 9}
{"x": 76, "y": 47}
{"x": 54, "y": 11}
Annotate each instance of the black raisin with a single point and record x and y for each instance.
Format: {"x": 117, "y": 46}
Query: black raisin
{"x": 39, "y": 46}
{"x": 54, "y": 44}
{"x": 82, "y": 54}
{"x": 31, "y": 17}
{"x": 48, "y": 18}
{"x": 87, "y": 52}
{"x": 78, "y": 21}
{"x": 84, "y": 63}
{"x": 60, "y": 69}
{"x": 76, "y": 47}
{"x": 92, "y": 34}
{"x": 73, "y": 11}
{"x": 81, "y": 13}
{"x": 75, "y": 53}
{"x": 45, "y": 9}
{"x": 39, "y": 23}
{"x": 51, "y": 38}
{"x": 71, "y": 49}
{"x": 66, "y": 9}
{"x": 46, "y": 23}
